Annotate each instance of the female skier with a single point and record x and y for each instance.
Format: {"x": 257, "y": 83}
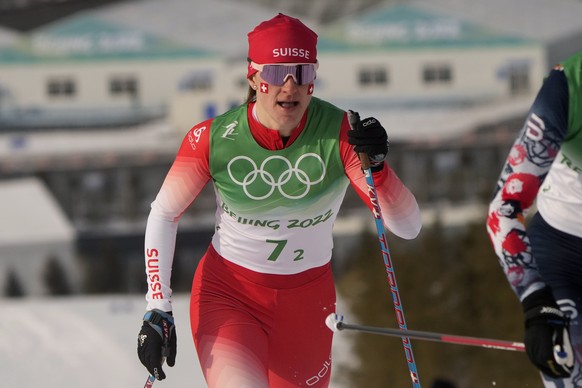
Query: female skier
{"x": 280, "y": 164}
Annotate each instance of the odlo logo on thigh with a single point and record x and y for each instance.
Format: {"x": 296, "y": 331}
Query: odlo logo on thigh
{"x": 320, "y": 375}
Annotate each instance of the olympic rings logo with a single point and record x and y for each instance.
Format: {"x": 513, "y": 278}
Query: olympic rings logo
{"x": 292, "y": 182}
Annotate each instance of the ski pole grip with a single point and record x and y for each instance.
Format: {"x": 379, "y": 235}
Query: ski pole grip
{"x": 364, "y": 160}
{"x": 354, "y": 120}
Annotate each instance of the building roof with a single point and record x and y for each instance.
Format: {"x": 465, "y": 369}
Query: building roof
{"x": 410, "y": 27}
{"x": 30, "y": 214}
{"x": 87, "y": 37}
{"x": 174, "y": 28}
{"x": 542, "y": 20}
{"x": 215, "y": 25}
{"x": 532, "y": 19}
{"x": 220, "y": 26}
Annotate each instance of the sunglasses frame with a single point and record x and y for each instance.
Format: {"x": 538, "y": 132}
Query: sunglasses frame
{"x": 259, "y": 68}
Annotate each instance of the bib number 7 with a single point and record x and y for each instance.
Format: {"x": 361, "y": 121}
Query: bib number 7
{"x": 279, "y": 246}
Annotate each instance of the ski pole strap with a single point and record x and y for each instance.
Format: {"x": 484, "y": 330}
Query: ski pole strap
{"x": 157, "y": 316}
{"x": 160, "y": 321}
{"x": 153, "y": 316}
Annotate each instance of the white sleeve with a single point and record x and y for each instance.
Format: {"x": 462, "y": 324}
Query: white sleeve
{"x": 186, "y": 178}
{"x": 160, "y": 242}
{"x": 400, "y": 210}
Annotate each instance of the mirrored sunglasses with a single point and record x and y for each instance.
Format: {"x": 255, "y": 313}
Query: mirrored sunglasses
{"x": 277, "y": 74}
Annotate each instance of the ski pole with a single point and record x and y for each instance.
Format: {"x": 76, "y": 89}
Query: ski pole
{"x": 151, "y": 378}
{"x": 150, "y": 381}
{"x": 354, "y": 119}
{"x": 336, "y": 323}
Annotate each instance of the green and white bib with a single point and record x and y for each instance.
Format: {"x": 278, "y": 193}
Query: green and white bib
{"x": 560, "y": 197}
{"x": 276, "y": 208}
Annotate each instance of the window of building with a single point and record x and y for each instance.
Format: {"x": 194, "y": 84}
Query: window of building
{"x": 242, "y": 83}
{"x": 123, "y": 85}
{"x": 373, "y": 77}
{"x": 437, "y": 74}
{"x": 61, "y": 87}
{"x": 199, "y": 80}
{"x": 519, "y": 79}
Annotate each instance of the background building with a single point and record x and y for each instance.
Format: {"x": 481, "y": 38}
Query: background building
{"x": 94, "y": 101}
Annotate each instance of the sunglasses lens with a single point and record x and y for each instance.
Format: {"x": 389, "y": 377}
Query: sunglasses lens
{"x": 277, "y": 74}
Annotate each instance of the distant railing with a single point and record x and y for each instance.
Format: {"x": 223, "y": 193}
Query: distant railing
{"x": 41, "y": 119}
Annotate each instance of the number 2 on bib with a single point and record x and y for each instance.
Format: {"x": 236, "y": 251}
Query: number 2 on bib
{"x": 279, "y": 246}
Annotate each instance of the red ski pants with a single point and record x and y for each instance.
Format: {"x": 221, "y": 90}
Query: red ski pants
{"x": 255, "y": 330}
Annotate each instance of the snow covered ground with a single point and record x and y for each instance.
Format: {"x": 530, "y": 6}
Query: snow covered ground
{"x": 90, "y": 342}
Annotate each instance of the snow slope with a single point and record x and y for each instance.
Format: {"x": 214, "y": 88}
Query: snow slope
{"x": 90, "y": 342}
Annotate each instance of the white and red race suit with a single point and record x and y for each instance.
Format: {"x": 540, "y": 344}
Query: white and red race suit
{"x": 262, "y": 292}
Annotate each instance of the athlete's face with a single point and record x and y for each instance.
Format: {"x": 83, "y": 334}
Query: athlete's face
{"x": 281, "y": 107}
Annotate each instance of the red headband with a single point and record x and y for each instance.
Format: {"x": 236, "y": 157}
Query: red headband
{"x": 282, "y": 39}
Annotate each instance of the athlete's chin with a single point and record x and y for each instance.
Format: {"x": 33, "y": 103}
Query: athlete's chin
{"x": 290, "y": 115}
{"x": 289, "y": 121}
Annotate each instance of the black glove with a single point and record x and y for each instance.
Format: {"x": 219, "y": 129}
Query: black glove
{"x": 157, "y": 341}
{"x": 369, "y": 137}
{"x": 547, "y": 340}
